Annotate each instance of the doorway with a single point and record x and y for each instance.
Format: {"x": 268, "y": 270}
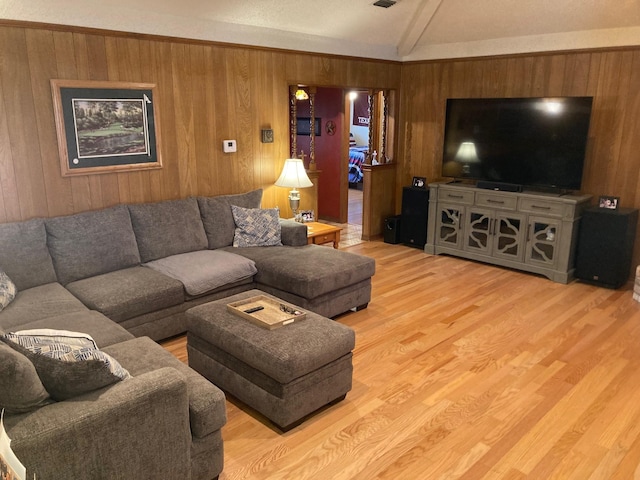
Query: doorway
{"x": 337, "y": 138}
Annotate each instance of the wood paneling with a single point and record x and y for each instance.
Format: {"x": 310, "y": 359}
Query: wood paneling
{"x": 207, "y": 93}
{"x": 378, "y": 198}
{"x": 611, "y": 77}
{"x": 211, "y": 92}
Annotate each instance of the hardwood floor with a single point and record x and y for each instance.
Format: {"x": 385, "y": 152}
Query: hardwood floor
{"x": 351, "y": 233}
{"x": 469, "y": 371}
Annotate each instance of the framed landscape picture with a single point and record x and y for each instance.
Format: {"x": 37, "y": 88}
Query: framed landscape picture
{"x": 105, "y": 127}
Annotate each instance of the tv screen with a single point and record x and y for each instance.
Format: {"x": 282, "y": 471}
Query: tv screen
{"x": 537, "y": 142}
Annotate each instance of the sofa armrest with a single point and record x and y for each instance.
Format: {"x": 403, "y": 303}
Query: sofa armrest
{"x": 138, "y": 428}
{"x": 294, "y": 234}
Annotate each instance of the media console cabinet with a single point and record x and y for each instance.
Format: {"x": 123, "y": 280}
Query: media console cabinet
{"x": 529, "y": 231}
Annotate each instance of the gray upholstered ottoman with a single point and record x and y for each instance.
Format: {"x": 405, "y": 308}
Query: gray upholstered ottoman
{"x": 285, "y": 374}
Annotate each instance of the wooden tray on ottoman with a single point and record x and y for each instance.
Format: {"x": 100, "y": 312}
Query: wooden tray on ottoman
{"x": 273, "y": 314}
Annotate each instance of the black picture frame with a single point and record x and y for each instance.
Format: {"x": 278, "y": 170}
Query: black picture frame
{"x": 303, "y": 126}
{"x": 106, "y": 127}
{"x": 419, "y": 182}
{"x": 610, "y": 203}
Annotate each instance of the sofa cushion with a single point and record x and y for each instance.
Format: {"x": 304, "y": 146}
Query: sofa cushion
{"x": 309, "y": 271}
{"x": 256, "y": 227}
{"x": 205, "y": 270}
{"x": 24, "y": 255}
{"x": 127, "y": 293}
{"x": 207, "y": 407}
{"x": 7, "y": 290}
{"x": 39, "y": 302}
{"x": 218, "y": 219}
{"x": 69, "y": 364}
{"x": 168, "y": 228}
{"x": 20, "y": 387}
{"x": 91, "y": 243}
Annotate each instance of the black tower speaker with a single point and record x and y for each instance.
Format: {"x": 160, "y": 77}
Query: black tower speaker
{"x": 392, "y": 229}
{"x": 605, "y": 246}
{"x": 415, "y": 209}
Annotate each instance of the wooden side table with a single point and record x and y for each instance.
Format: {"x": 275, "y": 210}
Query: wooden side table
{"x": 320, "y": 233}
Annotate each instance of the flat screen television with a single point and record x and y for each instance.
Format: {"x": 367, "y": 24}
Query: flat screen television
{"x": 530, "y": 142}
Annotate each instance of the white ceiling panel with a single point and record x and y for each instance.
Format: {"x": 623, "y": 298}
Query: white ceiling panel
{"x": 408, "y": 30}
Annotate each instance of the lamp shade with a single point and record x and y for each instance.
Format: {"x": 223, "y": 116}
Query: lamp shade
{"x": 293, "y": 175}
{"x": 301, "y": 94}
{"x": 467, "y": 153}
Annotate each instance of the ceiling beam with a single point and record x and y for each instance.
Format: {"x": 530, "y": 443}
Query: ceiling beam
{"x": 421, "y": 20}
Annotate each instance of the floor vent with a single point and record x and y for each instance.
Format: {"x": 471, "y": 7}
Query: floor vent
{"x": 384, "y": 3}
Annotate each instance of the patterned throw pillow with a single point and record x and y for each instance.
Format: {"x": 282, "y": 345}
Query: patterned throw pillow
{"x": 7, "y": 290}
{"x": 68, "y": 363}
{"x": 20, "y": 387}
{"x": 256, "y": 227}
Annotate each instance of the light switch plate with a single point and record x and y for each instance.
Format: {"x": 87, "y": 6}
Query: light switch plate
{"x": 267, "y": 135}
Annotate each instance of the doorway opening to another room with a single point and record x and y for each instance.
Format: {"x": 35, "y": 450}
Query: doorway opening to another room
{"x": 330, "y": 132}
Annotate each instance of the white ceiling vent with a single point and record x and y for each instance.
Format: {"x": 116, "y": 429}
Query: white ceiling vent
{"x": 384, "y": 3}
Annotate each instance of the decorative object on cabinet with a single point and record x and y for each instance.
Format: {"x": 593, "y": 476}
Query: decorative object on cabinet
{"x": 307, "y": 216}
{"x": 106, "y": 127}
{"x": 608, "y": 202}
{"x": 528, "y": 231}
{"x": 294, "y": 176}
{"x": 419, "y": 182}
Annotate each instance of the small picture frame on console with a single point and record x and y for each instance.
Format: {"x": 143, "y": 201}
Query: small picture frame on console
{"x": 419, "y": 182}
{"x": 608, "y": 202}
{"x": 307, "y": 216}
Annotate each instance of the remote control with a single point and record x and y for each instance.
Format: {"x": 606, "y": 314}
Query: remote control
{"x": 254, "y": 309}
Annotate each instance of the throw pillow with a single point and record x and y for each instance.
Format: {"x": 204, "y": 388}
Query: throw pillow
{"x": 68, "y": 363}
{"x": 256, "y": 227}
{"x": 20, "y": 387}
{"x": 7, "y": 290}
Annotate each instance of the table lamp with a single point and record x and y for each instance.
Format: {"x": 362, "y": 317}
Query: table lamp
{"x": 294, "y": 176}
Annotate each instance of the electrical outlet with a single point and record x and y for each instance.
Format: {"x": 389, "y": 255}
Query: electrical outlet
{"x": 229, "y": 146}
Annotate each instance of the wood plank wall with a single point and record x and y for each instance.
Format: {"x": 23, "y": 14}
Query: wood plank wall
{"x": 211, "y": 92}
{"x": 611, "y": 76}
{"x": 207, "y": 93}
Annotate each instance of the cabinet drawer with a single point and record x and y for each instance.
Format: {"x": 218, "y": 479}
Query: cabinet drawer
{"x": 456, "y": 196}
{"x": 486, "y": 199}
{"x": 541, "y": 207}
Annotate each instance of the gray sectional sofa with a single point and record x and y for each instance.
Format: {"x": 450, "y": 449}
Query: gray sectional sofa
{"x": 126, "y": 275}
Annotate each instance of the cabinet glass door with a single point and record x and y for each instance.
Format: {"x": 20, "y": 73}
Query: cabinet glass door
{"x": 478, "y": 231}
{"x": 543, "y": 241}
{"x": 508, "y": 234}
{"x": 449, "y": 232}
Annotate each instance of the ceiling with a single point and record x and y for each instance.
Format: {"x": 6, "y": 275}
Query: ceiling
{"x": 409, "y": 30}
